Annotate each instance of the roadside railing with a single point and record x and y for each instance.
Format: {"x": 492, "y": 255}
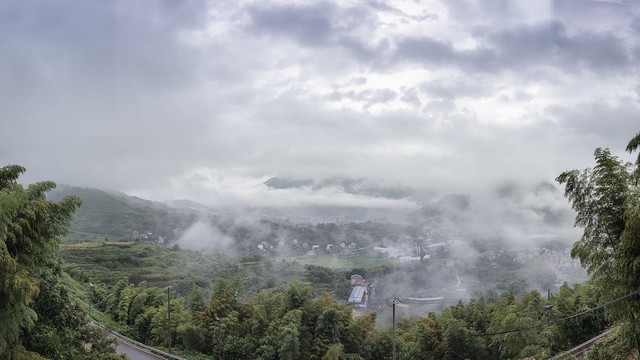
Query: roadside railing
{"x": 138, "y": 344}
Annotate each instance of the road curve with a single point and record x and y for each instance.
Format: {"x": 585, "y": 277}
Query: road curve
{"x": 134, "y": 349}
{"x": 134, "y": 352}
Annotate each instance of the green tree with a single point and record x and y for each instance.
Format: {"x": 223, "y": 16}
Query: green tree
{"x": 297, "y": 295}
{"x": 289, "y": 344}
{"x": 191, "y": 337}
{"x": 607, "y": 204}
{"x": 30, "y": 227}
{"x": 160, "y": 321}
{"x": 126, "y": 297}
{"x": 334, "y": 352}
{"x": 137, "y": 306}
{"x": 196, "y": 300}
{"x": 113, "y": 300}
{"x": 427, "y": 343}
{"x": 329, "y": 324}
{"x": 632, "y": 146}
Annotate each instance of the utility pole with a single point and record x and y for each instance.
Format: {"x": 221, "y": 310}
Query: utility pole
{"x": 548, "y": 307}
{"x": 168, "y": 288}
{"x": 90, "y": 298}
{"x": 392, "y": 302}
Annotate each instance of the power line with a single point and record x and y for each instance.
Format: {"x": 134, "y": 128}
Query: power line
{"x": 562, "y": 319}
{"x": 509, "y": 331}
{"x": 599, "y": 307}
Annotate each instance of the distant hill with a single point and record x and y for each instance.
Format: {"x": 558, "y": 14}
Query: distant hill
{"x": 535, "y": 208}
{"x": 118, "y": 216}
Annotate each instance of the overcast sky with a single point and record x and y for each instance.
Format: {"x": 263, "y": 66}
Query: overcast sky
{"x": 206, "y": 100}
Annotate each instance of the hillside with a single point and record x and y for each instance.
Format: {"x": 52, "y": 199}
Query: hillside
{"x": 119, "y": 216}
{"x": 107, "y": 262}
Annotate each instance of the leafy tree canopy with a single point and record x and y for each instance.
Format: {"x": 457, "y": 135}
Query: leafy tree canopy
{"x": 29, "y": 229}
{"x": 606, "y": 199}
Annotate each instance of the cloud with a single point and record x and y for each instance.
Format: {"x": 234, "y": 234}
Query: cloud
{"x": 209, "y": 99}
{"x": 309, "y": 25}
{"x": 525, "y": 47}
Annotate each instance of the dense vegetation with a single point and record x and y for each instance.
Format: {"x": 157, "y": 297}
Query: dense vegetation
{"x": 256, "y": 307}
{"x": 289, "y": 323}
{"x": 36, "y": 313}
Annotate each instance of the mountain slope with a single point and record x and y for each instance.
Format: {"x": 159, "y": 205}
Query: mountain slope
{"x": 118, "y": 216}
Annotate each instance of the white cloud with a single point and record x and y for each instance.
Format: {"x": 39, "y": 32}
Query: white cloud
{"x": 209, "y": 99}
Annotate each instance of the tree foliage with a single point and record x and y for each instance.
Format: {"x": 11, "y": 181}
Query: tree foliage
{"x": 29, "y": 229}
{"x": 607, "y": 204}
{"x": 38, "y": 319}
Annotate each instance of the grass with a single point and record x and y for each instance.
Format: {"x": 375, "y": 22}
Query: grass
{"x": 108, "y": 262}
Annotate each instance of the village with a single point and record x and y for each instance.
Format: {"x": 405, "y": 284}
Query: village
{"x": 441, "y": 255}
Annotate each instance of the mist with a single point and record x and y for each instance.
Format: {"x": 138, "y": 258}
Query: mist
{"x": 204, "y": 237}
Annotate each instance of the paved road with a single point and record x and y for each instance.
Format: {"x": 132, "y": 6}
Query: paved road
{"x": 134, "y": 352}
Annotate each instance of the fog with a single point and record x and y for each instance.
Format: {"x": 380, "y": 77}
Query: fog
{"x": 513, "y": 236}
{"x": 204, "y": 237}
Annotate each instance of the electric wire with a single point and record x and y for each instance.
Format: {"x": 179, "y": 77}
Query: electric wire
{"x": 599, "y": 307}
{"x": 562, "y": 319}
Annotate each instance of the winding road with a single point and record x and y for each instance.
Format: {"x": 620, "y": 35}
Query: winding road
{"x": 134, "y": 352}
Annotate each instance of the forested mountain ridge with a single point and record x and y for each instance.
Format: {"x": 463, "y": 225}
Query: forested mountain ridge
{"x": 118, "y": 216}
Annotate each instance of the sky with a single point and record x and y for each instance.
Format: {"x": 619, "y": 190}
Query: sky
{"x": 206, "y": 100}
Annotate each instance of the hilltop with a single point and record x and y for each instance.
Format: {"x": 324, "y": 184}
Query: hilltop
{"x": 117, "y": 216}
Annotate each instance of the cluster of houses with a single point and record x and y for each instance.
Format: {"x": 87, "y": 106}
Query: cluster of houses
{"x": 312, "y": 249}
{"x": 559, "y": 261}
{"x": 147, "y": 236}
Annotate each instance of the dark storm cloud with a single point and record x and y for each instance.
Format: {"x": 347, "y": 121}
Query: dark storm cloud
{"x": 309, "y": 25}
{"x": 521, "y": 48}
{"x": 321, "y": 25}
{"x": 549, "y": 44}
{"x": 471, "y": 11}
{"x": 212, "y": 97}
{"x": 593, "y": 13}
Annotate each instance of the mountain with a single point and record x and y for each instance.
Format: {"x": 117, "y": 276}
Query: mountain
{"x": 118, "y": 216}
{"x": 525, "y": 209}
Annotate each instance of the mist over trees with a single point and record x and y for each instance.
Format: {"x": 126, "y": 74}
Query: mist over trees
{"x": 252, "y": 306}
